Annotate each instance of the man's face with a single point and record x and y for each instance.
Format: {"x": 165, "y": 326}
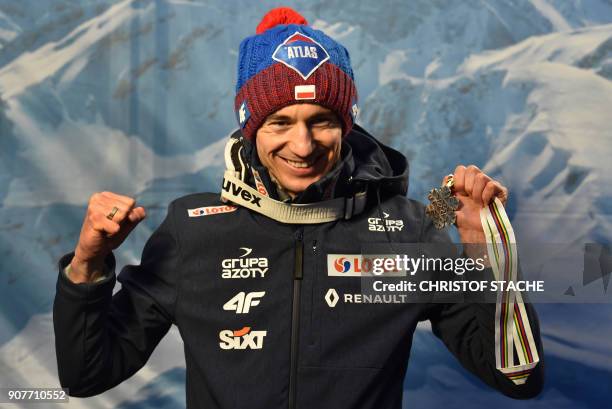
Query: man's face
{"x": 299, "y": 144}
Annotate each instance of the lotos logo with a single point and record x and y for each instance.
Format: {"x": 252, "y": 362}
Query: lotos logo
{"x": 359, "y": 265}
{"x": 243, "y": 338}
{"x": 243, "y": 266}
{"x": 210, "y": 210}
{"x": 261, "y": 188}
{"x": 342, "y": 265}
{"x": 301, "y": 53}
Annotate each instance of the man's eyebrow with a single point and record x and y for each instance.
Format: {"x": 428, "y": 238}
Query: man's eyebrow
{"x": 330, "y": 116}
{"x": 278, "y": 117}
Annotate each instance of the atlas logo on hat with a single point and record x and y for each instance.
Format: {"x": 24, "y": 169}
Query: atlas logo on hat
{"x": 301, "y": 53}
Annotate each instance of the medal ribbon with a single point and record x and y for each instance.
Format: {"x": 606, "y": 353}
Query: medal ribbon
{"x": 512, "y": 328}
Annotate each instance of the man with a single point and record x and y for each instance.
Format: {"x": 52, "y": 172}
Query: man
{"x": 246, "y": 279}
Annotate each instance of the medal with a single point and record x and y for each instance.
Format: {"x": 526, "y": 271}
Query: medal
{"x": 443, "y": 205}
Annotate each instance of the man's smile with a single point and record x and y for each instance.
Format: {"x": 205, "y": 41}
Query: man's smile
{"x": 302, "y": 166}
{"x": 298, "y": 164}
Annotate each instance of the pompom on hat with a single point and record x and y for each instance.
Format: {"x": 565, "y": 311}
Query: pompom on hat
{"x": 287, "y": 62}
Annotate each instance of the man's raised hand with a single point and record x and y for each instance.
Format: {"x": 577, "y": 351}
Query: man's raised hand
{"x": 100, "y": 234}
{"x": 474, "y": 189}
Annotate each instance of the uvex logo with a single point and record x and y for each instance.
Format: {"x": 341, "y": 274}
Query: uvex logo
{"x": 243, "y": 338}
{"x": 235, "y": 190}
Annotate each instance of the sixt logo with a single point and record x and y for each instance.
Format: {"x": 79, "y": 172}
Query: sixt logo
{"x": 237, "y": 191}
{"x": 243, "y": 338}
{"x": 301, "y": 53}
{"x": 244, "y": 267}
{"x": 358, "y": 265}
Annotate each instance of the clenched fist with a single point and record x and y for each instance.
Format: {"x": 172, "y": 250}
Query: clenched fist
{"x": 100, "y": 234}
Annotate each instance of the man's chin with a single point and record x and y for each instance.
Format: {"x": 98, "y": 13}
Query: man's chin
{"x": 295, "y": 188}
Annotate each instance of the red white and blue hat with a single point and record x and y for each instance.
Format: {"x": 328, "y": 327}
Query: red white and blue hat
{"x": 287, "y": 62}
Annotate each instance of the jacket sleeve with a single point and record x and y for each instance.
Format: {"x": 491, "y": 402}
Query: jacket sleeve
{"x": 467, "y": 329}
{"x": 102, "y": 339}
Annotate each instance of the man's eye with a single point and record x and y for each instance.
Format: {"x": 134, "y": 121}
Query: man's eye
{"x": 325, "y": 123}
{"x": 279, "y": 123}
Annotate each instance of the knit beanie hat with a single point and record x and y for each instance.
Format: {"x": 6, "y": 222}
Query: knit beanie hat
{"x": 287, "y": 62}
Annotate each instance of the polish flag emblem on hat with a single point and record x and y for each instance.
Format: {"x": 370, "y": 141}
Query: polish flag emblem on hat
{"x": 301, "y": 53}
{"x": 305, "y": 92}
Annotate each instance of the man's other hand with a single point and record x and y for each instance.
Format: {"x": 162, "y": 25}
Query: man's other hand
{"x": 475, "y": 190}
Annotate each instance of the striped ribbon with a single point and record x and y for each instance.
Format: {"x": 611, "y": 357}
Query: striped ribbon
{"x": 512, "y": 329}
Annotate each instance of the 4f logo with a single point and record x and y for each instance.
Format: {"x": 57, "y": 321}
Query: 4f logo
{"x": 242, "y": 302}
{"x": 244, "y": 338}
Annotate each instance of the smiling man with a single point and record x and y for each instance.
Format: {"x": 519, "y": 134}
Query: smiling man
{"x": 298, "y": 145}
{"x": 261, "y": 280}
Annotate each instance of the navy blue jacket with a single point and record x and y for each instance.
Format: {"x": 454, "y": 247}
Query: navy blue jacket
{"x": 253, "y": 300}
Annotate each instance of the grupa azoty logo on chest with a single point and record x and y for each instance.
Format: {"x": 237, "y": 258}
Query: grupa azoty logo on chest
{"x": 244, "y": 266}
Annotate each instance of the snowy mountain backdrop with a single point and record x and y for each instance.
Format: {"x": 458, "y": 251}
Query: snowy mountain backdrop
{"x": 136, "y": 97}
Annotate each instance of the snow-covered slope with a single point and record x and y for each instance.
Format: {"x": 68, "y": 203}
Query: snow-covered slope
{"x": 135, "y": 96}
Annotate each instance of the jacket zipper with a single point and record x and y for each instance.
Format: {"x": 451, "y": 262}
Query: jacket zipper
{"x": 298, "y": 272}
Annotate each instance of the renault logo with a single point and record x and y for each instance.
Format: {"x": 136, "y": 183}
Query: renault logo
{"x": 332, "y": 297}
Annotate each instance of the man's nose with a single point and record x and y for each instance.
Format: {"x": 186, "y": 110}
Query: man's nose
{"x": 302, "y": 143}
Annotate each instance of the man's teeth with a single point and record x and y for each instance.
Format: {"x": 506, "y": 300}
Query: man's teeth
{"x": 298, "y": 164}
